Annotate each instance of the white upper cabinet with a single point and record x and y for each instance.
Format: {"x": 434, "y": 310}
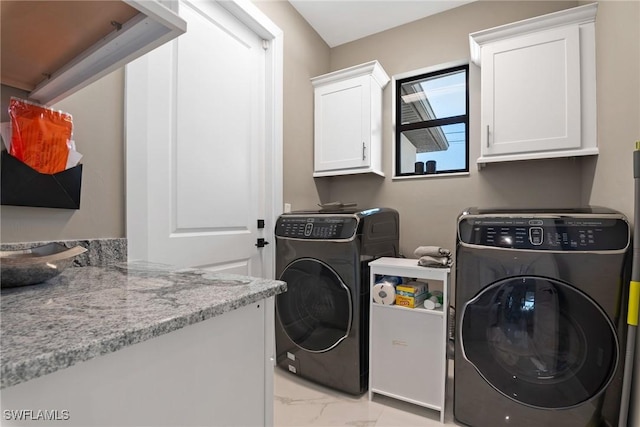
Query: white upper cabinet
{"x": 538, "y": 87}
{"x": 348, "y": 120}
{"x": 54, "y": 48}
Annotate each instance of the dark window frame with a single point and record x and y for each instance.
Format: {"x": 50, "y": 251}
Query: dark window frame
{"x": 399, "y": 127}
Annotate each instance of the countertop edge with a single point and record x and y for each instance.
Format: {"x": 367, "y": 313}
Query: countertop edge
{"x": 16, "y": 373}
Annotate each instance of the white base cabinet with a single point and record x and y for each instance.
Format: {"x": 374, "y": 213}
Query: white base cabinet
{"x": 538, "y": 87}
{"x": 408, "y": 346}
{"x": 348, "y": 120}
{"x": 218, "y": 372}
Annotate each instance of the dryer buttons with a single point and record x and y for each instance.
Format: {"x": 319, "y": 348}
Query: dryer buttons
{"x": 536, "y": 235}
{"x": 307, "y": 229}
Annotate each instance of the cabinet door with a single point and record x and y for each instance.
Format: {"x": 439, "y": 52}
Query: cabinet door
{"x": 342, "y": 125}
{"x": 407, "y": 348}
{"x": 215, "y": 372}
{"x": 531, "y": 93}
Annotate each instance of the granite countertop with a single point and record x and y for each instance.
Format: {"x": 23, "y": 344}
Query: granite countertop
{"x": 89, "y": 311}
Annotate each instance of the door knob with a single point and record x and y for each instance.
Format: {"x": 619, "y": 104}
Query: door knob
{"x": 261, "y": 243}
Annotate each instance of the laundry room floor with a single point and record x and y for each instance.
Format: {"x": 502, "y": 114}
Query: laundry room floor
{"x": 298, "y": 403}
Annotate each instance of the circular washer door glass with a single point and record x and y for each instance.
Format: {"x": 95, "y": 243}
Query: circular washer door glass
{"x": 316, "y": 310}
{"x": 539, "y": 342}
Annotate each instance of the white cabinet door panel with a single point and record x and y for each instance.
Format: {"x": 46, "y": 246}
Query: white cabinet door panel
{"x": 413, "y": 336}
{"x": 212, "y": 373}
{"x": 342, "y": 133}
{"x": 531, "y": 93}
{"x": 348, "y": 120}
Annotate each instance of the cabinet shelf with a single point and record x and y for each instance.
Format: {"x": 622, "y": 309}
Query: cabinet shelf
{"x": 420, "y": 310}
{"x": 52, "y": 49}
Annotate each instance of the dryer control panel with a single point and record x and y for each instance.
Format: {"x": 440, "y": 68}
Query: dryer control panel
{"x": 316, "y": 227}
{"x": 539, "y": 233}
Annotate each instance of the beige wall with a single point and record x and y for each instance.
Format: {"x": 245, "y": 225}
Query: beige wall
{"x": 428, "y": 207}
{"x": 306, "y": 55}
{"x": 430, "y": 41}
{"x": 98, "y": 114}
{"x": 605, "y": 180}
{"x": 608, "y": 180}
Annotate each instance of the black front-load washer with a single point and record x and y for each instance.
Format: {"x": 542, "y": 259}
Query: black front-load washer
{"x": 322, "y": 320}
{"x": 540, "y": 317}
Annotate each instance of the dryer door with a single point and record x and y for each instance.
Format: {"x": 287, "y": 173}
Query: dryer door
{"x": 317, "y": 309}
{"x": 539, "y": 341}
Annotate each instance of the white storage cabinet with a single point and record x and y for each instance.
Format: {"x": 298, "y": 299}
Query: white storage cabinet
{"x": 348, "y": 120}
{"x": 215, "y": 372}
{"x": 538, "y": 87}
{"x": 408, "y": 346}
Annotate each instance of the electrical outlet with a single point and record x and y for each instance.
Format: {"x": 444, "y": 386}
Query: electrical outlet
{"x": 287, "y": 207}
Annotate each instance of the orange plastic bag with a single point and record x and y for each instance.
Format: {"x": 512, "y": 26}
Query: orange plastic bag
{"x": 40, "y": 136}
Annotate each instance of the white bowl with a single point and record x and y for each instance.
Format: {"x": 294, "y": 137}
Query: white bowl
{"x": 35, "y": 265}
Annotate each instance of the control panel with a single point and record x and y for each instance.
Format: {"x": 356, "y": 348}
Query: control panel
{"x": 566, "y": 234}
{"x": 316, "y": 227}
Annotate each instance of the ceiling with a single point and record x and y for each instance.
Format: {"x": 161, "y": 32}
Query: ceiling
{"x": 342, "y": 21}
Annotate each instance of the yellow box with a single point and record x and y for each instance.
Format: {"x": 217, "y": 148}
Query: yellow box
{"x": 412, "y": 288}
{"x": 411, "y": 295}
{"x": 410, "y": 302}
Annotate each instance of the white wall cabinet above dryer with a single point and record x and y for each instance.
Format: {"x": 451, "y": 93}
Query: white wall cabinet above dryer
{"x": 348, "y": 120}
{"x": 538, "y": 87}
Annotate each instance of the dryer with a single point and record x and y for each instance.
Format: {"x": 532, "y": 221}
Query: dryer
{"x": 322, "y": 321}
{"x": 540, "y": 317}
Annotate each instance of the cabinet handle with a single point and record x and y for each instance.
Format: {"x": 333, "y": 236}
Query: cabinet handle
{"x": 364, "y": 148}
{"x": 487, "y": 136}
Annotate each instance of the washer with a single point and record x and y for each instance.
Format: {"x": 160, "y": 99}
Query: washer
{"x": 322, "y": 321}
{"x": 541, "y": 301}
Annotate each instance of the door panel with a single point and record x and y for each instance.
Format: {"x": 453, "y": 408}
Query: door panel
{"x": 343, "y": 128}
{"x": 531, "y": 97}
{"x": 219, "y": 99}
{"x": 197, "y": 170}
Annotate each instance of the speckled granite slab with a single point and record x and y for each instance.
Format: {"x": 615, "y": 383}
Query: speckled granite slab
{"x": 100, "y": 252}
{"x": 89, "y": 311}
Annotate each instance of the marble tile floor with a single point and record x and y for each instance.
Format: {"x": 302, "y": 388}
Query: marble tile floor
{"x": 298, "y": 402}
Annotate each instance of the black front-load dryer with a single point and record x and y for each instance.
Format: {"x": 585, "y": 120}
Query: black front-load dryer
{"x": 540, "y": 317}
{"x": 322, "y": 320}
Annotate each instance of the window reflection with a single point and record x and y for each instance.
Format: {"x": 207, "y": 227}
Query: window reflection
{"x": 418, "y": 146}
{"x": 435, "y": 97}
{"x": 431, "y": 122}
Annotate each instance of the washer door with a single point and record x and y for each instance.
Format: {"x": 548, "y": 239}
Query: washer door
{"x": 539, "y": 342}
{"x": 316, "y": 310}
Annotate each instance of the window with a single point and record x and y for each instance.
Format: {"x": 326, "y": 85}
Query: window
{"x": 432, "y": 122}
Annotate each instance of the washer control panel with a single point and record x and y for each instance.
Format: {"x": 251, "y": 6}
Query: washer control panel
{"x": 323, "y": 227}
{"x": 566, "y": 234}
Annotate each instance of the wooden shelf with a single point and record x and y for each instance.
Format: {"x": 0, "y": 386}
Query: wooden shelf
{"x": 53, "y": 48}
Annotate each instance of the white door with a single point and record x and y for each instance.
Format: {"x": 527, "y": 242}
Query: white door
{"x": 202, "y": 145}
